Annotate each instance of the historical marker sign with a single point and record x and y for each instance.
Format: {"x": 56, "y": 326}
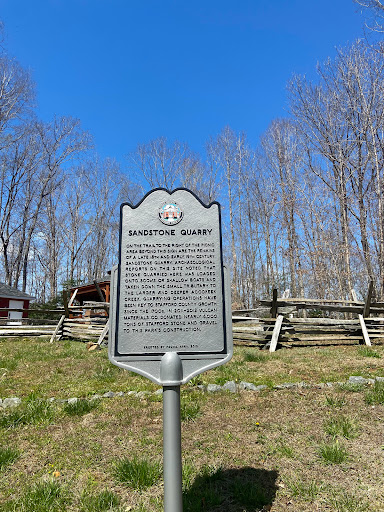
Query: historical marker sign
{"x": 170, "y": 305}
{"x": 169, "y": 291}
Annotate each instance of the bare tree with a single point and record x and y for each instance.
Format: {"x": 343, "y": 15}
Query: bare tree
{"x": 171, "y": 165}
{"x": 342, "y": 122}
{"x": 282, "y": 148}
{"x": 19, "y": 165}
{"x": 374, "y": 10}
{"x": 231, "y": 154}
{"x": 90, "y": 226}
{"x": 317, "y": 111}
{"x": 60, "y": 141}
{"x": 224, "y": 153}
{"x": 31, "y": 170}
{"x": 16, "y": 96}
{"x": 159, "y": 163}
{"x": 109, "y": 188}
{"x": 200, "y": 177}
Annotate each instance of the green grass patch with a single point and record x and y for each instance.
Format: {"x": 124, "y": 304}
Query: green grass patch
{"x": 80, "y": 407}
{"x": 7, "y": 456}
{"x": 307, "y": 491}
{"x": 365, "y": 351}
{"x": 137, "y": 473}
{"x": 255, "y": 356}
{"x": 258, "y": 431}
{"x": 64, "y": 369}
{"x": 333, "y": 453}
{"x": 285, "y": 450}
{"x": 376, "y": 394}
{"x": 350, "y": 387}
{"x": 341, "y": 426}
{"x": 336, "y": 402}
{"x": 106, "y": 373}
{"x": 33, "y": 411}
{"x": 42, "y": 497}
{"x": 100, "y": 502}
{"x": 189, "y": 472}
{"x": 196, "y": 381}
{"x": 226, "y": 373}
{"x": 8, "y": 364}
{"x": 189, "y": 410}
{"x": 343, "y": 501}
{"x": 66, "y": 351}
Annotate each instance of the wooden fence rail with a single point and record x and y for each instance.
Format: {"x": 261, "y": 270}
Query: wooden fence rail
{"x": 271, "y": 323}
{"x": 85, "y": 322}
{"x": 353, "y": 321}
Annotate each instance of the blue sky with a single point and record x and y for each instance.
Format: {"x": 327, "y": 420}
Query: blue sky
{"x": 132, "y": 71}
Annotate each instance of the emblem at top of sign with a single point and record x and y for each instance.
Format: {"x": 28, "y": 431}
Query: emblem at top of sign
{"x": 170, "y": 214}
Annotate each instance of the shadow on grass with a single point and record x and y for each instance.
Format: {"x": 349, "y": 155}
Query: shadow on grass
{"x": 233, "y": 490}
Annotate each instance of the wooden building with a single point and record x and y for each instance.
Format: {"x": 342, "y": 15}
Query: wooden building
{"x": 13, "y": 299}
{"x": 91, "y": 292}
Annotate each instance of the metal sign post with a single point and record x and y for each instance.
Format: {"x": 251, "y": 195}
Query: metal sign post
{"x": 171, "y": 370}
{"x": 173, "y": 496}
{"x": 170, "y": 315}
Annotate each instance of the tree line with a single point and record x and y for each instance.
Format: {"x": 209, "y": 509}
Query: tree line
{"x": 303, "y": 207}
{"x": 58, "y": 200}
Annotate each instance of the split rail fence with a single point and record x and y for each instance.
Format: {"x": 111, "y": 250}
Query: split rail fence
{"x": 284, "y": 321}
{"x": 304, "y": 322}
{"x": 81, "y": 328}
{"x": 88, "y": 322}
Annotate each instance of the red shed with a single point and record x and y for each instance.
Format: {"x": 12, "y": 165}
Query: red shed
{"x": 12, "y": 298}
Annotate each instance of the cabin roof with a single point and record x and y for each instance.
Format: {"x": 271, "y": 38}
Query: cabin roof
{"x": 9, "y": 292}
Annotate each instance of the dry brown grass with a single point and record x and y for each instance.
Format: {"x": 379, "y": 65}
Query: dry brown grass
{"x": 270, "y": 437}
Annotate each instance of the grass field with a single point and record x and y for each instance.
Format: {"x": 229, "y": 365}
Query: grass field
{"x": 300, "y": 450}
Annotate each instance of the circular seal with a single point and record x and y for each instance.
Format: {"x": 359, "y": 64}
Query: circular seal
{"x": 170, "y": 214}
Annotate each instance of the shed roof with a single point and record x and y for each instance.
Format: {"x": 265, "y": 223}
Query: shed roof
{"x": 88, "y": 291}
{"x": 102, "y": 280}
{"x": 9, "y": 292}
